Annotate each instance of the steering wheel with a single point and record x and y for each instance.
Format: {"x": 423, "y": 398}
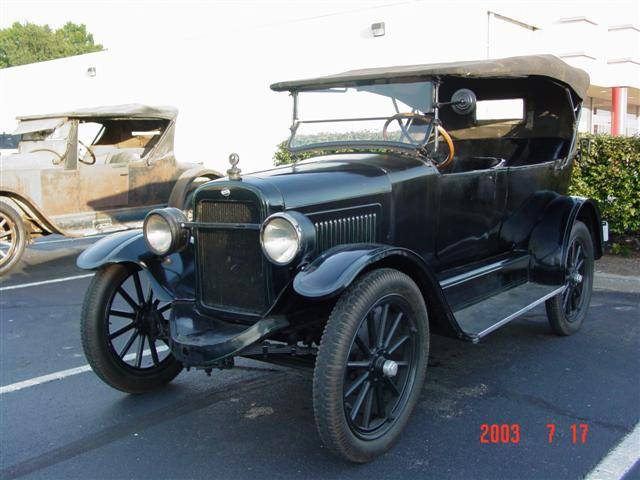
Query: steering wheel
{"x": 399, "y": 117}
{"x": 405, "y": 133}
{"x": 440, "y": 165}
{"x": 93, "y": 156}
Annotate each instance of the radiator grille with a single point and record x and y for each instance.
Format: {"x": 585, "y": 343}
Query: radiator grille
{"x": 230, "y": 263}
{"x": 353, "y": 229}
{"x": 227, "y": 212}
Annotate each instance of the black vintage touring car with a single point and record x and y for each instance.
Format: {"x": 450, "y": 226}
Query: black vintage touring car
{"x": 442, "y": 209}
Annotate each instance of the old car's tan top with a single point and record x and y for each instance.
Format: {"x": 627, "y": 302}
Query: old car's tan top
{"x": 524, "y": 66}
{"x": 130, "y": 110}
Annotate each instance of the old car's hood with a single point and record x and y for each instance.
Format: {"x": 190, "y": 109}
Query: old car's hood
{"x": 336, "y": 178}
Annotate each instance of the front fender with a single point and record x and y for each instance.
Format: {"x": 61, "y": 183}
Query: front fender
{"x": 172, "y": 277}
{"x": 185, "y": 182}
{"x": 333, "y": 271}
{"x": 121, "y": 247}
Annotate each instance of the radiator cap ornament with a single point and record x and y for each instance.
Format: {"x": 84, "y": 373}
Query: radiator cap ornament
{"x": 234, "y": 171}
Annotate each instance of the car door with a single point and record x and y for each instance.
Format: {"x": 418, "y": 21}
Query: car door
{"x": 470, "y": 213}
{"x": 103, "y": 187}
{"x": 103, "y": 183}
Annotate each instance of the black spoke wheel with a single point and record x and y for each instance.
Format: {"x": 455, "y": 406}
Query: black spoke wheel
{"x": 125, "y": 331}
{"x": 566, "y": 311}
{"x": 13, "y": 237}
{"x": 381, "y": 367}
{"x": 371, "y": 365}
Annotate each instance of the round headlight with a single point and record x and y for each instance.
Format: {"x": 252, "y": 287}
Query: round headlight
{"x": 287, "y": 236}
{"x": 280, "y": 239}
{"x": 163, "y": 231}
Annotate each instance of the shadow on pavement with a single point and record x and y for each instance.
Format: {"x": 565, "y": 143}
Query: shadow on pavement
{"x": 42, "y": 261}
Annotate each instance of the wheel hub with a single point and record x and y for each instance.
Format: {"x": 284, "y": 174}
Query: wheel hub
{"x": 576, "y": 278}
{"x": 147, "y": 321}
{"x": 389, "y": 368}
{"x": 382, "y": 367}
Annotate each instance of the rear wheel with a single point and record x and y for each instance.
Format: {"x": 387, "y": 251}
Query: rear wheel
{"x": 13, "y": 238}
{"x": 566, "y": 311}
{"x": 371, "y": 365}
{"x": 125, "y": 331}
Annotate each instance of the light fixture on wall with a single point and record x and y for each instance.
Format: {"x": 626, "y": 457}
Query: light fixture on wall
{"x": 378, "y": 29}
{"x": 91, "y": 72}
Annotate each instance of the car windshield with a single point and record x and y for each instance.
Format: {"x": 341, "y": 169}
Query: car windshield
{"x": 50, "y": 142}
{"x": 391, "y": 114}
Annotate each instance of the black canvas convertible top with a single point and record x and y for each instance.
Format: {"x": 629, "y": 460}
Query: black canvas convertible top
{"x": 512, "y": 67}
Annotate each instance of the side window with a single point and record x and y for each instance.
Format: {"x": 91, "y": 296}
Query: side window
{"x": 491, "y": 110}
{"x": 125, "y": 141}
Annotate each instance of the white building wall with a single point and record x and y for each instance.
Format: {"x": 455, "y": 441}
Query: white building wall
{"x": 219, "y": 76}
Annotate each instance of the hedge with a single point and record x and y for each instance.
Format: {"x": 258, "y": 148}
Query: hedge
{"x": 608, "y": 170}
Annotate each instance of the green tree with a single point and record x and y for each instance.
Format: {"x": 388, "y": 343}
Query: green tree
{"x": 29, "y": 43}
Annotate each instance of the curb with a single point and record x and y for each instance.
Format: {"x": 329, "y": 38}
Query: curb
{"x": 619, "y": 283}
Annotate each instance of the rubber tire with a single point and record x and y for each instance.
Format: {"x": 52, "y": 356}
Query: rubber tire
{"x": 334, "y": 348}
{"x": 555, "y": 313}
{"x": 21, "y": 234}
{"x": 95, "y": 342}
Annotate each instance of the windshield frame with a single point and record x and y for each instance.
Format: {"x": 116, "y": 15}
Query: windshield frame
{"x": 364, "y": 145}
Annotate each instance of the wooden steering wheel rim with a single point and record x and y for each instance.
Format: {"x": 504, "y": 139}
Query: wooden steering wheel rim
{"x": 447, "y": 138}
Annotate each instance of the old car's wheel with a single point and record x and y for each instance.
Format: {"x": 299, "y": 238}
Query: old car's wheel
{"x": 371, "y": 365}
{"x": 566, "y": 311}
{"x": 13, "y": 238}
{"x": 118, "y": 321}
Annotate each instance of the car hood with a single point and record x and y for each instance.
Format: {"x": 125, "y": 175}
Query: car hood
{"x": 335, "y": 178}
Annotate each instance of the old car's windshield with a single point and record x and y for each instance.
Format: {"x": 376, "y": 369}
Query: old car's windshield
{"x": 363, "y": 115}
{"x": 47, "y": 143}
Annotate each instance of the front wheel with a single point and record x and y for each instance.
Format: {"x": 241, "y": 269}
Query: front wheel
{"x": 125, "y": 331}
{"x": 566, "y": 311}
{"x": 371, "y": 365}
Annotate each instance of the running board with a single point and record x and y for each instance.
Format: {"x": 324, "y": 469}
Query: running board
{"x": 490, "y": 314}
{"x": 470, "y": 286}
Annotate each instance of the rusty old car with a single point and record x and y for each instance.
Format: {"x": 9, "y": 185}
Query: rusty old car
{"x": 90, "y": 171}
{"x": 441, "y": 209}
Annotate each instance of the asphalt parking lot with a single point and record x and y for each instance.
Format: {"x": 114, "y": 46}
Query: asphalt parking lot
{"x": 258, "y": 419}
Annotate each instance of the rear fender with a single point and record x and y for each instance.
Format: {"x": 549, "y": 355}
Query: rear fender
{"x": 172, "y": 277}
{"x": 336, "y": 269}
{"x": 549, "y": 239}
{"x": 29, "y": 210}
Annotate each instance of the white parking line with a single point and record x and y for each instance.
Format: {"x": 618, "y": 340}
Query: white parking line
{"x": 619, "y": 460}
{"x": 46, "y": 282}
{"x": 32, "y": 382}
{"x": 14, "y": 387}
